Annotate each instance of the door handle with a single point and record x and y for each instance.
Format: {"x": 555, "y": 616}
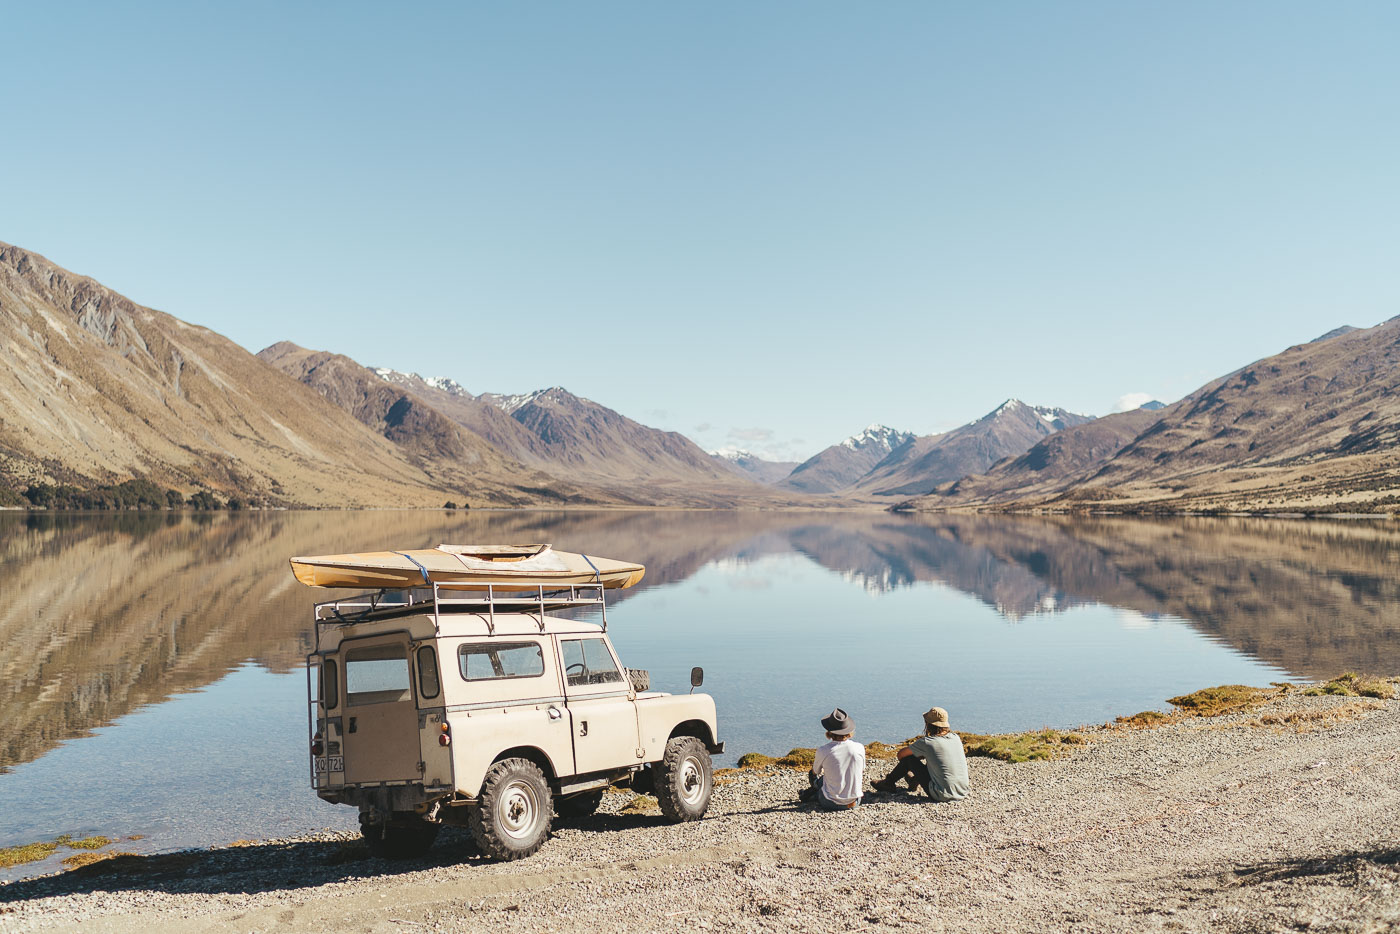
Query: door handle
{"x": 352, "y": 724}
{"x": 583, "y": 728}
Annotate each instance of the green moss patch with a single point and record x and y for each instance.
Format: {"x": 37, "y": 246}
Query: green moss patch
{"x": 1216, "y": 701}
{"x": 33, "y": 852}
{"x": 1351, "y": 684}
{"x": 1021, "y": 747}
{"x": 26, "y": 853}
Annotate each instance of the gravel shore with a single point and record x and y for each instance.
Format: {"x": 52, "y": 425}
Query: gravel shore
{"x": 1285, "y": 817}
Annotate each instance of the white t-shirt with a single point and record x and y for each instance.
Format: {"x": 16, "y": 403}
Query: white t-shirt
{"x": 841, "y": 765}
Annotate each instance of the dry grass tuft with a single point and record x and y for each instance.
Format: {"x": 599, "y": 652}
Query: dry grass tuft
{"x": 79, "y": 860}
{"x": 1146, "y": 720}
{"x": 640, "y": 805}
{"x": 1305, "y": 720}
{"x": 879, "y": 750}
{"x": 1225, "y": 699}
{"x": 1350, "y": 684}
{"x": 1021, "y": 747}
{"x": 800, "y": 758}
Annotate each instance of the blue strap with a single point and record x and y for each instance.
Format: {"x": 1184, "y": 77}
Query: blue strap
{"x": 426, "y": 578}
{"x": 596, "y": 575}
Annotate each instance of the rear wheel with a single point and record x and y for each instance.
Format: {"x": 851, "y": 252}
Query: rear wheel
{"x": 511, "y": 820}
{"x": 578, "y": 807}
{"x": 399, "y": 838}
{"x": 684, "y": 779}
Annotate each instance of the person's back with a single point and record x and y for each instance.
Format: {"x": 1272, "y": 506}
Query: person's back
{"x": 841, "y": 766}
{"x": 946, "y": 763}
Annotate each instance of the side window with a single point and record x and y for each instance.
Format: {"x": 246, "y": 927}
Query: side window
{"x": 428, "y": 683}
{"x": 588, "y": 661}
{"x": 486, "y": 661}
{"x": 376, "y": 675}
{"x": 330, "y": 683}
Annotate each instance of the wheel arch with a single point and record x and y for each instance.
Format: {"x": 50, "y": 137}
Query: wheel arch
{"x": 535, "y": 755}
{"x": 696, "y": 728}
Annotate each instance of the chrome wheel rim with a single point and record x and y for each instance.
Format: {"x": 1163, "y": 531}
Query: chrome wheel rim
{"x": 518, "y": 810}
{"x": 692, "y": 781}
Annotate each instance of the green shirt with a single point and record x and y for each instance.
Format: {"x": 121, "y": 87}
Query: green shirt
{"x": 947, "y": 766}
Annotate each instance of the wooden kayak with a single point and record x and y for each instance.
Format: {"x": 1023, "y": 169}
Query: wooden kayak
{"x": 466, "y": 567}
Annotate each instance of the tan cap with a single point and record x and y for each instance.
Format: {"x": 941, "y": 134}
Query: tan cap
{"x": 936, "y": 716}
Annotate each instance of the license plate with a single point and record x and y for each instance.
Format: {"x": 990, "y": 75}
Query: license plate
{"x": 331, "y": 764}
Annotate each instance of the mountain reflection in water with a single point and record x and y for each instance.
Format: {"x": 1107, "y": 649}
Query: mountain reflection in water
{"x": 107, "y": 613}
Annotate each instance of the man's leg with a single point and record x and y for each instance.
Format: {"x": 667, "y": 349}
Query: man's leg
{"x": 910, "y": 770}
{"x": 814, "y": 788}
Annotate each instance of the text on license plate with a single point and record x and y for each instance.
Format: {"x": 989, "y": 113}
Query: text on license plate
{"x": 331, "y": 764}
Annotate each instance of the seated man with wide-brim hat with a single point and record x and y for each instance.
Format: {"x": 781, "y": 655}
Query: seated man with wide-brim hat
{"x": 934, "y": 762}
{"x": 838, "y": 771}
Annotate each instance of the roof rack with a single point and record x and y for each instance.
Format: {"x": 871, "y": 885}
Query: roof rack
{"x": 460, "y": 598}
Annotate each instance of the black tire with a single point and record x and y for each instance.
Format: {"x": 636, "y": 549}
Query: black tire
{"x": 400, "y": 838}
{"x": 640, "y": 678}
{"x": 684, "y": 779}
{"x": 511, "y": 819}
{"x": 577, "y": 807}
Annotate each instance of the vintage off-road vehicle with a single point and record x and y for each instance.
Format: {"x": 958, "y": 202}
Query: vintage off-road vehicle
{"x": 468, "y": 696}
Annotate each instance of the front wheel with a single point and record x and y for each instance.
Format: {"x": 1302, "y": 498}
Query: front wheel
{"x": 511, "y": 820}
{"x": 684, "y": 779}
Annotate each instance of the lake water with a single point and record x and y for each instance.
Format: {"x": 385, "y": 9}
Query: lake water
{"x": 153, "y": 663}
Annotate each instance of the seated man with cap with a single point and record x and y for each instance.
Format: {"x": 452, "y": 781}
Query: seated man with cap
{"x": 935, "y": 762}
{"x": 838, "y": 772}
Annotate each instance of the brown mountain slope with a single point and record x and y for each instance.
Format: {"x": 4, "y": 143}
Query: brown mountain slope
{"x": 479, "y": 416}
{"x": 454, "y": 457}
{"x": 95, "y": 388}
{"x": 1314, "y": 428}
{"x": 591, "y": 449}
{"x": 929, "y": 460}
{"x": 837, "y": 467}
{"x": 602, "y": 445}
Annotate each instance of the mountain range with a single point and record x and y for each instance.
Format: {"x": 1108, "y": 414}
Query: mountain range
{"x": 96, "y": 391}
{"x": 1314, "y": 428}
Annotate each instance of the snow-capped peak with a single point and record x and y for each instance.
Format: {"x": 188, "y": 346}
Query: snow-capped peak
{"x": 877, "y": 435}
{"x": 443, "y": 383}
{"x": 732, "y": 454}
{"x": 514, "y": 403}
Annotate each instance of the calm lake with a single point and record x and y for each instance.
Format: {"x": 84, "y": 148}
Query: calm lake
{"x": 153, "y": 663}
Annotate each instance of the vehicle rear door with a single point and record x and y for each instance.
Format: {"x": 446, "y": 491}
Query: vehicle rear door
{"x": 380, "y": 716}
{"x": 602, "y": 707}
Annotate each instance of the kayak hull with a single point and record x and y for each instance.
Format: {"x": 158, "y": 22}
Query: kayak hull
{"x": 466, "y": 567}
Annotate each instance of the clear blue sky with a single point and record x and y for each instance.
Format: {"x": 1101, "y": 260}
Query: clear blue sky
{"x": 759, "y": 223}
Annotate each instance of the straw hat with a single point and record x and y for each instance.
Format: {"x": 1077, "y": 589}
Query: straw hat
{"x": 935, "y": 717}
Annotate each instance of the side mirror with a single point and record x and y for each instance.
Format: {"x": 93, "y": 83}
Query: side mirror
{"x": 697, "y": 677}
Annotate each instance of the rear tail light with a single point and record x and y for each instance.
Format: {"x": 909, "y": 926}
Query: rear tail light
{"x": 445, "y": 737}
{"x": 316, "y": 747}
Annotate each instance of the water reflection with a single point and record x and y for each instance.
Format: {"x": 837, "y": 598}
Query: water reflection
{"x": 105, "y": 614}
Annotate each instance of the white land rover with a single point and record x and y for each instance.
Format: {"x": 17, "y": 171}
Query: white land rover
{"x": 475, "y": 703}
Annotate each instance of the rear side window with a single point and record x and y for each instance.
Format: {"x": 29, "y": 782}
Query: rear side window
{"x": 486, "y": 661}
{"x": 376, "y": 675}
{"x": 588, "y": 661}
{"x": 330, "y": 683}
{"x": 428, "y": 685}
